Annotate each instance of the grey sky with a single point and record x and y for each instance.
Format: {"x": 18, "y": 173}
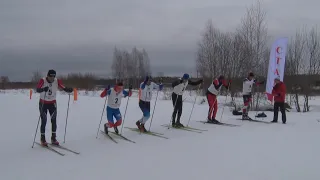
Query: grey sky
{"x": 34, "y": 33}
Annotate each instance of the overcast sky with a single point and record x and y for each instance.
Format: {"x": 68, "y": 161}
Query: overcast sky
{"x": 79, "y": 35}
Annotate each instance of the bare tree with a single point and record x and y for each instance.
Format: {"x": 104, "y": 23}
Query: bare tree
{"x": 36, "y": 76}
{"x": 4, "y": 80}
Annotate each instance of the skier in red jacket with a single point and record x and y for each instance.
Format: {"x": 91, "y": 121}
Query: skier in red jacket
{"x": 279, "y": 93}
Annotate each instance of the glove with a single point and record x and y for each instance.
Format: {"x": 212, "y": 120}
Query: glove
{"x": 108, "y": 87}
{"x": 201, "y": 81}
{"x": 45, "y": 89}
{"x": 160, "y": 87}
{"x": 68, "y": 90}
{"x": 130, "y": 87}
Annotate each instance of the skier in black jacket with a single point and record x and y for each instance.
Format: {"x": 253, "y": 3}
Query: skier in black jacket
{"x": 179, "y": 87}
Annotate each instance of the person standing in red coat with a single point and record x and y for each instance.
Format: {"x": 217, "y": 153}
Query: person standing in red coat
{"x": 279, "y": 93}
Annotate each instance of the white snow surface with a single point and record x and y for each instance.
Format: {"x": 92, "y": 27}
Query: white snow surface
{"x": 253, "y": 151}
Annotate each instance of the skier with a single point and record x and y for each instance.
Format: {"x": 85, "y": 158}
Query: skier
{"x": 212, "y": 93}
{"x": 48, "y": 87}
{"x": 279, "y": 93}
{"x": 247, "y": 94}
{"x": 115, "y": 95}
{"x": 145, "y": 96}
{"x": 179, "y": 87}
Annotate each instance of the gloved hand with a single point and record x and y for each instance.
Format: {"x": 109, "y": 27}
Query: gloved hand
{"x": 201, "y": 81}
{"x": 160, "y": 87}
{"x": 108, "y": 87}
{"x": 68, "y": 90}
{"x": 45, "y": 89}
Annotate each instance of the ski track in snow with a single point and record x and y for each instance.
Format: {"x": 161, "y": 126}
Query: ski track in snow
{"x": 254, "y": 151}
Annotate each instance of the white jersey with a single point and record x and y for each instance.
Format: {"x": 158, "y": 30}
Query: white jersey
{"x": 114, "y": 98}
{"x": 146, "y": 91}
{"x": 215, "y": 87}
{"x": 247, "y": 86}
{"x": 52, "y": 92}
{"x": 179, "y": 89}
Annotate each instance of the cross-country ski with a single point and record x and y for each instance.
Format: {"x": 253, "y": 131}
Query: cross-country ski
{"x": 220, "y": 123}
{"x": 181, "y": 128}
{"x": 50, "y": 149}
{"x": 64, "y": 148}
{"x": 108, "y": 136}
{"x": 148, "y": 133}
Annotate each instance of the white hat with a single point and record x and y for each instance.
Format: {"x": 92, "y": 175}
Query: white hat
{"x": 277, "y": 78}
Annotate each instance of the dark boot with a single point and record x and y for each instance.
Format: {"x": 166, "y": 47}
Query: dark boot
{"x": 43, "y": 140}
{"x": 106, "y": 128}
{"x": 138, "y": 123}
{"x": 179, "y": 125}
{"x": 143, "y": 128}
{"x": 116, "y": 129}
{"x": 54, "y": 140}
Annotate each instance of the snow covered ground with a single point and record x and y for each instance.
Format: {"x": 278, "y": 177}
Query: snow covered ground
{"x": 253, "y": 151}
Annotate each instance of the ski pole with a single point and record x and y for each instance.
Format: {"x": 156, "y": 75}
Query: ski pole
{"x": 65, "y": 128}
{"x": 225, "y": 101}
{"x": 154, "y": 107}
{"x": 105, "y": 102}
{"x": 195, "y": 99}
{"x": 124, "y": 116}
{"x": 35, "y": 135}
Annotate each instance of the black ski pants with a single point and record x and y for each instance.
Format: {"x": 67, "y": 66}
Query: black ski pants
{"x": 44, "y": 108}
{"x": 280, "y": 105}
{"x": 177, "y": 105}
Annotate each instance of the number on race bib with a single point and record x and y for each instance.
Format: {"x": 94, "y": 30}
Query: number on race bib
{"x": 50, "y": 92}
{"x": 116, "y": 100}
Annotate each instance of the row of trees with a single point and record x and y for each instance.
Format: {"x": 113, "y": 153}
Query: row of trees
{"x": 130, "y": 67}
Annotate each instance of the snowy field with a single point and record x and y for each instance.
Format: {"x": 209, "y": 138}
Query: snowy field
{"x": 253, "y": 151}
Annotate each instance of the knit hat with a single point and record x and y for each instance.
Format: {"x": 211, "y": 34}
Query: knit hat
{"x": 277, "y": 78}
{"x": 51, "y": 73}
{"x": 186, "y": 76}
{"x": 251, "y": 74}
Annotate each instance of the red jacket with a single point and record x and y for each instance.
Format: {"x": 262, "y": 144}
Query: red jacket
{"x": 279, "y": 92}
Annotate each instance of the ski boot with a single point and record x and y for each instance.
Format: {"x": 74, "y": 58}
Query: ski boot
{"x": 179, "y": 125}
{"x": 213, "y": 121}
{"x": 143, "y": 129}
{"x": 43, "y": 140}
{"x": 246, "y": 117}
{"x": 106, "y": 128}
{"x": 54, "y": 140}
{"x": 138, "y": 123}
{"x": 116, "y": 129}
{"x": 274, "y": 121}
{"x": 173, "y": 124}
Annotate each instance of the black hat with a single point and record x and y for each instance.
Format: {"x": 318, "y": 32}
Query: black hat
{"x": 51, "y": 73}
{"x": 221, "y": 77}
{"x": 119, "y": 84}
{"x": 251, "y": 74}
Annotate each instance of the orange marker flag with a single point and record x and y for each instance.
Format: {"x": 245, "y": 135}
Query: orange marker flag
{"x": 75, "y": 94}
{"x": 30, "y": 93}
